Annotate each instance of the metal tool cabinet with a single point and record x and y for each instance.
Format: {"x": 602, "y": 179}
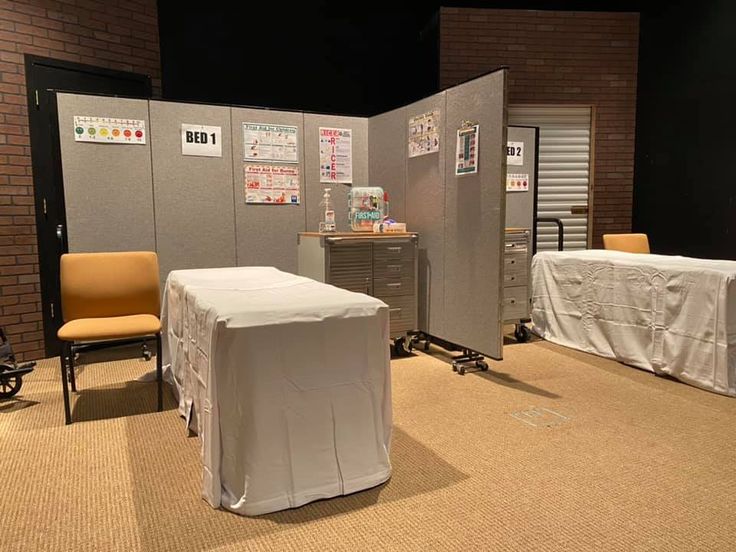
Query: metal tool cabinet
{"x": 382, "y": 265}
{"x": 516, "y": 280}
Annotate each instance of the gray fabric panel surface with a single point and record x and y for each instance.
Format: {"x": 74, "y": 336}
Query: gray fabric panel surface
{"x": 475, "y": 218}
{"x": 425, "y": 213}
{"x": 314, "y": 188}
{"x": 266, "y": 235}
{"x": 195, "y": 221}
{"x": 520, "y": 205}
{"x": 387, "y": 155}
{"x": 107, "y": 187}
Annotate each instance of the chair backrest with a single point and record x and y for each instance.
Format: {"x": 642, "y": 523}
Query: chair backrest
{"x": 630, "y": 243}
{"x": 100, "y": 285}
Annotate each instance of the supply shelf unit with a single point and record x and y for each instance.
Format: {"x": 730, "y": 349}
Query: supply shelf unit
{"x": 381, "y": 265}
{"x": 516, "y": 279}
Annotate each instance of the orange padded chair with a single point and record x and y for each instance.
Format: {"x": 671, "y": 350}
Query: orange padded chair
{"x": 108, "y": 297}
{"x": 630, "y": 243}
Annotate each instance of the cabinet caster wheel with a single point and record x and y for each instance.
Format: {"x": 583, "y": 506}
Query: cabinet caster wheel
{"x": 522, "y": 333}
{"x": 426, "y": 345}
{"x": 461, "y": 370}
{"x": 146, "y": 353}
{"x": 482, "y": 364}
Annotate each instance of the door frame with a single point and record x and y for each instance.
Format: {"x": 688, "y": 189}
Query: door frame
{"x": 49, "y": 192}
{"x": 591, "y": 157}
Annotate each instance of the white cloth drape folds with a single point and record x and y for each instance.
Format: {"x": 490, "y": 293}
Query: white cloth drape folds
{"x": 666, "y": 314}
{"x": 286, "y": 381}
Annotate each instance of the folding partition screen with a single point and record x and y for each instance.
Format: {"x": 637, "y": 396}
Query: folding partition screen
{"x": 520, "y": 201}
{"x": 460, "y": 219}
{"x": 191, "y": 209}
{"x": 265, "y": 234}
{"x": 108, "y": 191}
{"x": 193, "y": 196}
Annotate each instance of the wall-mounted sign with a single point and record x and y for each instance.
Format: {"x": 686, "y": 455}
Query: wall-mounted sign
{"x": 205, "y": 141}
{"x": 515, "y": 153}
{"x": 424, "y": 134}
{"x": 265, "y": 142}
{"x": 108, "y": 130}
{"x": 517, "y": 182}
{"x": 466, "y": 152}
{"x": 336, "y": 155}
{"x": 272, "y": 184}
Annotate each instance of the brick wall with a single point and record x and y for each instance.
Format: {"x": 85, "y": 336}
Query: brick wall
{"x": 558, "y": 57}
{"x": 117, "y": 34}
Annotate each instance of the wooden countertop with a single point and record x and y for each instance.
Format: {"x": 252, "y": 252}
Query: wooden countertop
{"x": 371, "y": 235}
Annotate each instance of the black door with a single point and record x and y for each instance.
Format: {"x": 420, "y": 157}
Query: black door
{"x": 43, "y": 76}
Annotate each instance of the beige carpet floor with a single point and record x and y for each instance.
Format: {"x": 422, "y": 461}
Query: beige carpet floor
{"x": 551, "y": 450}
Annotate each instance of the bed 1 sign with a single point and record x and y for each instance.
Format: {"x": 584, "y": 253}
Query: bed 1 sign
{"x": 205, "y": 141}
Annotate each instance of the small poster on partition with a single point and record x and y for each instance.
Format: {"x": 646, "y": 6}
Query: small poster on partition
{"x": 336, "y": 155}
{"x": 265, "y": 142}
{"x": 517, "y": 182}
{"x": 106, "y": 130}
{"x": 466, "y": 156}
{"x": 424, "y": 134}
{"x": 272, "y": 184}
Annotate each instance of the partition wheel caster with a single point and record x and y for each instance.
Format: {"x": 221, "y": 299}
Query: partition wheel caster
{"x": 9, "y": 386}
{"x": 146, "y": 353}
{"x": 400, "y": 347}
{"x": 454, "y": 366}
{"x": 461, "y": 370}
{"x": 482, "y": 364}
{"x": 522, "y": 333}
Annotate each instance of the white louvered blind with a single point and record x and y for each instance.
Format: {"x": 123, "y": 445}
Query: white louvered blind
{"x": 564, "y": 169}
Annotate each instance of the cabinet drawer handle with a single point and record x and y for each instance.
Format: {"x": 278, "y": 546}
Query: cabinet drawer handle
{"x": 394, "y": 284}
{"x": 394, "y": 310}
{"x": 394, "y": 268}
{"x": 395, "y": 249}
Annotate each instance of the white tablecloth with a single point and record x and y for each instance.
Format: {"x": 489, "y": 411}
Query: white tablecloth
{"x": 286, "y": 381}
{"x": 666, "y": 314}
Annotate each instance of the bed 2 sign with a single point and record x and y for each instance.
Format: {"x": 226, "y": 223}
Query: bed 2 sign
{"x": 204, "y": 141}
{"x": 515, "y": 153}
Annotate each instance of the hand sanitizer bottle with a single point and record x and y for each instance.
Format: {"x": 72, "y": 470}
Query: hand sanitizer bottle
{"x": 328, "y": 224}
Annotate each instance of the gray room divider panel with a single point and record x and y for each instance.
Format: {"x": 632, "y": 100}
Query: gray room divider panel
{"x": 520, "y": 205}
{"x": 107, "y": 187}
{"x": 195, "y": 220}
{"x": 314, "y": 188}
{"x": 387, "y": 152}
{"x": 266, "y": 234}
{"x": 425, "y": 213}
{"x": 475, "y": 218}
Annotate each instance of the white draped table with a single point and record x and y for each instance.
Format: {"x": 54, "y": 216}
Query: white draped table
{"x": 666, "y": 314}
{"x": 285, "y": 380}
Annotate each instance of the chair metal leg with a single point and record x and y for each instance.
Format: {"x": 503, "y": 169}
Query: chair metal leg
{"x": 159, "y": 373}
{"x": 72, "y": 375}
{"x": 67, "y": 407}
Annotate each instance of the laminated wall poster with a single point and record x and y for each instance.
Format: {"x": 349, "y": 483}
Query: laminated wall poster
{"x": 106, "y": 130}
{"x": 517, "y": 182}
{"x": 336, "y": 155}
{"x": 265, "y": 142}
{"x": 272, "y": 184}
{"x": 466, "y": 156}
{"x": 424, "y": 134}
